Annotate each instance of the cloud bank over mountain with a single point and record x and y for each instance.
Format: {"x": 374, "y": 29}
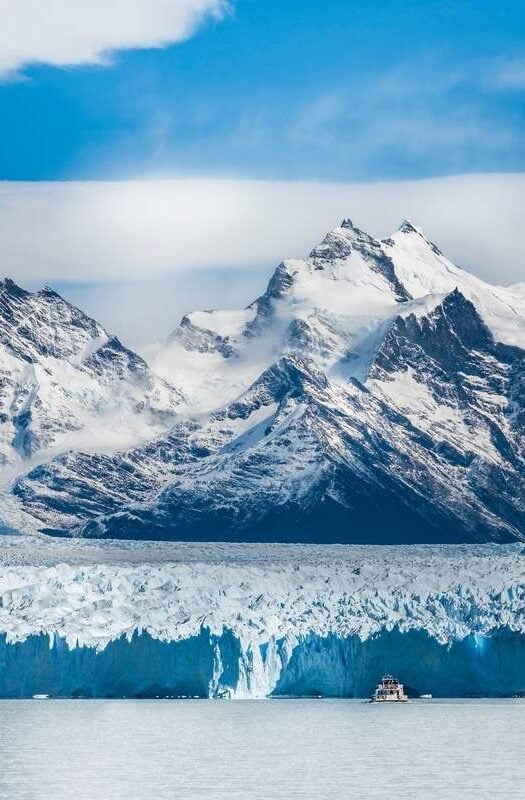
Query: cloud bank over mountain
{"x": 120, "y": 231}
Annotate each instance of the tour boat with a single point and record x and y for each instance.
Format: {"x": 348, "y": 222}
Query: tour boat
{"x": 390, "y": 690}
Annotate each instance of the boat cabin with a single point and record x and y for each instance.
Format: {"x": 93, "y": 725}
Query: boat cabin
{"x": 389, "y": 690}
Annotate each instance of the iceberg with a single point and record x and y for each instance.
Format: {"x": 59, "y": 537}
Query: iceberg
{"x": 158, "y": 619}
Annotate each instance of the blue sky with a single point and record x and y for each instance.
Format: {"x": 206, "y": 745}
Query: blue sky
{"x": 341, "y": 89}
{"x": 157, "y": 155}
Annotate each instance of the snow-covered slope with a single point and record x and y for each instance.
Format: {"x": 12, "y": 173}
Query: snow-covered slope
{"x": 374, "y": 393}
{"x": 333, "y": 306}
{"x": 103, "y": 618}
{"x": 424, "y": 270}
{"x": 66, "y": 383}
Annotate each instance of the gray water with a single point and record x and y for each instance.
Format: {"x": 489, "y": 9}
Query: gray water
{"x": 255, "y": 750}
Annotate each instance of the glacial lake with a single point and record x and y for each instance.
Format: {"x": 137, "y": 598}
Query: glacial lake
{"x": 261, "y": 750}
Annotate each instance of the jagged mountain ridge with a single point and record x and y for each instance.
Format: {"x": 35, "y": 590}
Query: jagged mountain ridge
{"x": 374, "y": 392}
{"x": 66, "y": 383}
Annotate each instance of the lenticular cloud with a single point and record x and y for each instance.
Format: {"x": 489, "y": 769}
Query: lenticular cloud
{"x": 71, "y": 32}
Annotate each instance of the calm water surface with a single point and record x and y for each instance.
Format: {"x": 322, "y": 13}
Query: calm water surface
{"x": 253, "y": 750}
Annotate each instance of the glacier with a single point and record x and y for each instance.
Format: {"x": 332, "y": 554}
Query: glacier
{"x": 145, "y": 619}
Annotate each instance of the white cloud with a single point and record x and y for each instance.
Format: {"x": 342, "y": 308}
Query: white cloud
{"x": 139, "y": 254}
{"x": 129, "y": 230}
{"x": 72, "y": 32}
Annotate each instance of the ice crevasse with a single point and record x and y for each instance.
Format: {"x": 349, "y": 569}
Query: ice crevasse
{"x": 198, "y": 620}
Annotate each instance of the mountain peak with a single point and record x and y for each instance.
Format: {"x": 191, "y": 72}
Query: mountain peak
{"x": 408, "y": 228}
{"x": 47, "y": 291}
{"x": 8, "y": 286}
{"x": 35, "y": 325}
{"x": 452, "y": 336}
{"x": 347, "y": 223}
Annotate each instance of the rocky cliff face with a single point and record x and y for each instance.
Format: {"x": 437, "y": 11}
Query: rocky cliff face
{"x": 373, "y": 393}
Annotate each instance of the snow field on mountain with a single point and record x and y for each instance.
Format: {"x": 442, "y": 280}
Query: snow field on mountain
{"x": 447, "y": 423}
{"x": 424, "y": 270}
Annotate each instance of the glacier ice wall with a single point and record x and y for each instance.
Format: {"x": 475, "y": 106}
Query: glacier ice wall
{"x": 217, "y": 666}
{"x": 114, "y": 619}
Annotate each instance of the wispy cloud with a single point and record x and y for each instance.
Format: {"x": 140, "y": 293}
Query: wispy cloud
{"x": 413, "y": 112}
{"x": 74, "y": 32}
{"x": 507, "y": 75}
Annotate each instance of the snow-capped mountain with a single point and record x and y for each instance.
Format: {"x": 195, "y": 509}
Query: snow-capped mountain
{"x": 374, "y": 393}
{"x": 66, "y": 383}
